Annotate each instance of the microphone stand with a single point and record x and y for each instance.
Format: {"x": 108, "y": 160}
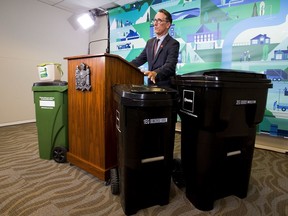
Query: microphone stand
{"x": 108, "y": 39}
{"x": 94, "y": 42}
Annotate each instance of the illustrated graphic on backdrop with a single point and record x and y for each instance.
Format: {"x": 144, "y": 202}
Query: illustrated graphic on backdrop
{"x": 248, "y": 35}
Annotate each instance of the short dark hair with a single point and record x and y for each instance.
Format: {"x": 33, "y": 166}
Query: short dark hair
{"x": 167, "y": 14}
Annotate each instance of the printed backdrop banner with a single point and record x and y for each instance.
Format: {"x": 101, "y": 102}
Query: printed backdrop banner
{"x": 250, "y": 35}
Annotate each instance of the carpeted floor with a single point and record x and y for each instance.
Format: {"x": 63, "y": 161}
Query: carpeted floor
{"x": 30, "y": 186}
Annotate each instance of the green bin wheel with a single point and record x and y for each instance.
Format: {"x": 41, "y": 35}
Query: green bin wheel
{"x": 59, "y": 154}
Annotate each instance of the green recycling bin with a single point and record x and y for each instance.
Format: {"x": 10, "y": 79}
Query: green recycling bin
{"x": 50, "y": 99}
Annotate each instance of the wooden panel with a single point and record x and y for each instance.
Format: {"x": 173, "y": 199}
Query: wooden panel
{"x": 116, "y": 73}
{"x": 92, "y": 132}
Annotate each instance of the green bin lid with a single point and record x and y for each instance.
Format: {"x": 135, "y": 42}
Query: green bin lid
{"x": 59, "y": 86}
{"x": 55, "y": 83}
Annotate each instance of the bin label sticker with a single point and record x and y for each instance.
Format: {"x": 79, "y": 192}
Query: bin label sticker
{"x": 47, "y": 102}
{"x": 43, "y": 72}
{"x": 188, "y": 100}
{"x": 245, "y": 102}
{"x": 155, "y": 121}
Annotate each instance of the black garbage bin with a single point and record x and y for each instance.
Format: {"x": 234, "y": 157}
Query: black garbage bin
{"x": 219, "y": 112}
{"x": 145, "y": 121}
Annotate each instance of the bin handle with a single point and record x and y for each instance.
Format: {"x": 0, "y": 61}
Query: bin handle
{"x": 148, "y": 160}
{"x": 60, "y": 69}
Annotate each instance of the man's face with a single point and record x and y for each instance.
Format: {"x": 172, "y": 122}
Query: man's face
{"x": 161, "y": 24}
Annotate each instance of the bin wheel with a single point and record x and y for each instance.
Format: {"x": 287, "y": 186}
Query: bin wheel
{"x": 59, "y": 154}
{"x": 114, "y": 181}
{"x": 177, "y": 173}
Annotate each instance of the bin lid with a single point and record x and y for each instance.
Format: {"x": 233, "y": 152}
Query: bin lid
{"x": 144, "y": 94}
{"x": 223, "y": 77}
{"x": 54, "y": 83}
{"x": 58, "y": 86}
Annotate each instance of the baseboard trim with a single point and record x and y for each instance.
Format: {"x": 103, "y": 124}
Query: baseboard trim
{"x": 17, "y": 123}
{"x": 271, "y": 148}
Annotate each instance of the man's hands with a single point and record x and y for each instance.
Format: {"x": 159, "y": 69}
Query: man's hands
{"x": 151, "y": 75}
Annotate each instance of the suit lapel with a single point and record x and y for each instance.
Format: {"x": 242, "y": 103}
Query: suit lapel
{"x": 150, "y": 51}
{"x": 163, "y": 44}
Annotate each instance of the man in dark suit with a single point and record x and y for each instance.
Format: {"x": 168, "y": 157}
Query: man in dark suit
{"x": 161, "y": 52}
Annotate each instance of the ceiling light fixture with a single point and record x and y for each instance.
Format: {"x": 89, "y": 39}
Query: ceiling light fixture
{"x": 86, "y": 20}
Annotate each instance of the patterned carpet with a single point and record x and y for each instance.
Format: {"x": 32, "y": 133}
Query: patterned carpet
{"x": 35, "y": 187}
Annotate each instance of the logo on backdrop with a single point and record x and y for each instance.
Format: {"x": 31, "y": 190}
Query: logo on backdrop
{"x": 82, "y": 75}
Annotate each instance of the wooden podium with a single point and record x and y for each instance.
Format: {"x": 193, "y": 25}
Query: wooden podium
{"x": 91, "y": 117}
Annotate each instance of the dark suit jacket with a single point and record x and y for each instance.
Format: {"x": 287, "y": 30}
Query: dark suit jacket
{"x": 164, "y": 62}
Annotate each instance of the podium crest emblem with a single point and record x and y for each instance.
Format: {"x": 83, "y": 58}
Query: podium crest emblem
{"x": 82, "y": 75}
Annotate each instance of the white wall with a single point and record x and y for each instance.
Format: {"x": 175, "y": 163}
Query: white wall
{"x": 31, "y": 33}
{"x": 99, "y": 31}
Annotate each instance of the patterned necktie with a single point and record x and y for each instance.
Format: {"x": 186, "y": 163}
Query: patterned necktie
{"x": 155, "y": 46}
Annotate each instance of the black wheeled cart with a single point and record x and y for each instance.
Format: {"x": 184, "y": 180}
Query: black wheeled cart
{"x": 145, "y": 120}
{"x": 219, "y": 112}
